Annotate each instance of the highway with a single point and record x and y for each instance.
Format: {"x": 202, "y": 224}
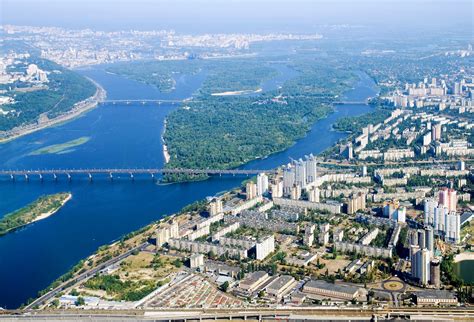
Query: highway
{"x": 87, "y": 274}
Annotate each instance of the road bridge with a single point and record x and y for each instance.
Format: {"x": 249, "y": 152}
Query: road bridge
{"x": 111, "y": 172}
{"x": 364, "y": 102}
{"x": 142, "y": 101}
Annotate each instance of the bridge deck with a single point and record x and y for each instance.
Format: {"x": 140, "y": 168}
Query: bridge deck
{"x": 130, "y": 171}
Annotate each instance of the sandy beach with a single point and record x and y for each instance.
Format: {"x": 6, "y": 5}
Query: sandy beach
{"x": 166, "y": 155}
{"x": 233, "y": 93}
{"x": 52, "y": 212}
{"x": 464, "y": 256}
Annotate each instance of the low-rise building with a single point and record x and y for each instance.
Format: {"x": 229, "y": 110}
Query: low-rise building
{"x": 251, "y": 283}
{"x": 325, "y": 289}
{"x": 281, "y": 285}
{"x": 435, "y": 297}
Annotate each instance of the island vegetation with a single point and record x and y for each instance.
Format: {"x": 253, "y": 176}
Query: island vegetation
{"x": 161, "y": 75}
{"x": 227, "y": 131}
{"x": 39, "y": 209}
{"x": 61, "y": 148}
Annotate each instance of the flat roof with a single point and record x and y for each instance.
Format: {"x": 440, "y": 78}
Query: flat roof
{"x": 435, "y": 294}
{"x": 348, "y": 289}
{"x": 280, "y": 282}
{"x": 252, "y": 278}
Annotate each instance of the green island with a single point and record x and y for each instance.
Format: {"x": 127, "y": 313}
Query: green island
{"x": 159, "y": 74}
{"x": 39, "y": 209}
{"x": 61, "y": 148}
{"x": 223, "y": 127}
{"x": 226, "y": 132}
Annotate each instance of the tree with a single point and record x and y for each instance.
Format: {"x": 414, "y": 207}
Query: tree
{"x": 225, "y": 286}
{"x": 80, "y": 301}
{"x": 178, "y": 263}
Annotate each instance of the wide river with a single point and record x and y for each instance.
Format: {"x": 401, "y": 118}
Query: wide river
{"x": 102, "y": 211}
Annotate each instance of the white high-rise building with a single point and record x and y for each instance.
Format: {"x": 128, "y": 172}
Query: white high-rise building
{"x": 453, "y": 227}
{"x": 277, "y": 189}
{"x": 300, "y": 173}
{"x": 311, "y": 168}
{"x": 423, "y": 259}
{"x": 215, "y": 207}
{"x": 251, "y": 190}
{"x": 313, "y": 194}
{"x": 439, "y": 222}
{"x": 262, "y": 184}
{"x": 288, "y": 179}
{"x": 447, "y": 224}
{"x": 420, "y": 264}
{"x": 401, "y": 214}
{"x": 430, "y": 205}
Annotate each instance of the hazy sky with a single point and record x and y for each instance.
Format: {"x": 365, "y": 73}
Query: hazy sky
{"x": 243, "y": 15}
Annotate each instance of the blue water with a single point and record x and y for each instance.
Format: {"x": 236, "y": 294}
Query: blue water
{"x": 102, "y": 211}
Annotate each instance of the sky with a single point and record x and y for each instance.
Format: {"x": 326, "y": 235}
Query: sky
{"x": 197, "y": 16}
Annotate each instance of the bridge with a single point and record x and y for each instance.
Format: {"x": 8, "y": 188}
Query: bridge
{"x": 364, "y": 102}
{"x": 142, "y": 101}
{"x": 110, "y": 172}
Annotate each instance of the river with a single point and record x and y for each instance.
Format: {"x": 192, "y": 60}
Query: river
{"x": 464, "y": 269}
{"x": 102, "y": 211}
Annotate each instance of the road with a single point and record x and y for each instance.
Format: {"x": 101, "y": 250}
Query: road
{"x": 87, "y": 274}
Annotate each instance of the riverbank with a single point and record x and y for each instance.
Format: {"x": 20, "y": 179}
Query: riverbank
{"x": 40, "y": 209}
{"x": 235, "y": 93}
{"x": 53, "y": 211}
{"x": 123, "y": 136}
{"x": 463, "y": 257}
{"x": 79, "y": 108}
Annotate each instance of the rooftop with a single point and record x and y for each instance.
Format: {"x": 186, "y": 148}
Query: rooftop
{"x": 332, "y": 287}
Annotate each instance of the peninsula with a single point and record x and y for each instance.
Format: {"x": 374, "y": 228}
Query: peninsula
{"x": 39, "y": 209}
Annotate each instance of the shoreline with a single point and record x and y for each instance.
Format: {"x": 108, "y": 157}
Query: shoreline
{"x": 166, "y": 154}
{"x": 237, "y": 93}
{"x": 51, "y": 212}
{"x": 82, "y": 107}
{"x": 464, "y": 257}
